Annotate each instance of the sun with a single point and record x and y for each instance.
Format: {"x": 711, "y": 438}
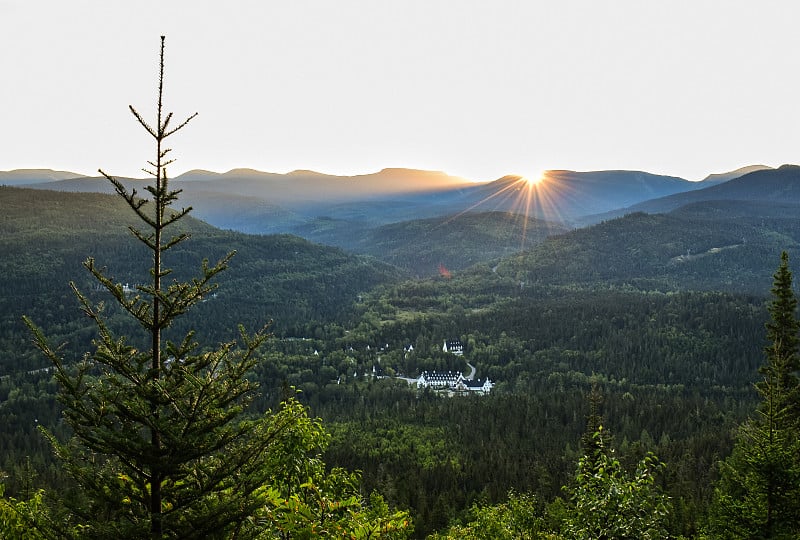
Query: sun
{"x": 534, "y": 179}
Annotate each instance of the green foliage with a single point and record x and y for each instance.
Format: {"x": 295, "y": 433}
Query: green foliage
{"x": 305, "y": 499}
{"x": 519, "y": 518}
{"x": 329, "y": 506}
{"x": 607, "y": 503}
{"x": 780, "y": 388}
{"x": 18, "y": 518}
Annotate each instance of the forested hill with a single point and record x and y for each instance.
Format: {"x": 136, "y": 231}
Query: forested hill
{"x": 432, "y": 246}
{"x": 602, "y": 293}
{"x": 455, "y": 242}
{"x": 713, "y": 246}
{"x": 45, "y": 236}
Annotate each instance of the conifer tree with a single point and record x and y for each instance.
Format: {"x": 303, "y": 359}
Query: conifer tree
{"x": 161, "y": 446}
{"x": 594, "y": 436}
{"x": 779, "y": 388}
{"x": 758, "y": 494}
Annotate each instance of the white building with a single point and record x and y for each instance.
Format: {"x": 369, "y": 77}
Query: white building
{"x": 439, "y": 379}
{"x": 453, "y": 346}
{"x": 453, "y": 382}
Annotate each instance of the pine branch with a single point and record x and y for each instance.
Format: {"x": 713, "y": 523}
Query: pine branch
{"x": 183, "y": 124}
{"x": 172, "y": 219}
{"x": 144, "y": 123}
{"x": 175, "y": 240}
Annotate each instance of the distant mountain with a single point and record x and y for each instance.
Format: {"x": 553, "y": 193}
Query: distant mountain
{"x": 197, "y": 174}
{"x": 781, "y": 185}
{"x": 20, "y": 177}
{"x": 301, "y": 188}
{"x": 86, "y": 184}
{"x": 719, "y": 178}
{"x": 567, "y": 195}
{"x": 750, "y": 210}
{"x": 241, "y": 213}
{"x": 261, "y": 202}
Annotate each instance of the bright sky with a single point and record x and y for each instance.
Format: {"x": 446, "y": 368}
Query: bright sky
{"x": 475, "y": 88}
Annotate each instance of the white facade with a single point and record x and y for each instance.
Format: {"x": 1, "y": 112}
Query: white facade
{"x": 454, "y": 382}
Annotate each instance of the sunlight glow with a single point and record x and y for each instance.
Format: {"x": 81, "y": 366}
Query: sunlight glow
{"x": 531, "y": 198}
{"x": 536, "y": 178}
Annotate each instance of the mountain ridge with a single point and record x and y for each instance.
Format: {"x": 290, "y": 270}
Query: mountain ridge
{"x": 32, "y": 176}
{"x": 781, "y": 185}
{"x": 261, "y": 202}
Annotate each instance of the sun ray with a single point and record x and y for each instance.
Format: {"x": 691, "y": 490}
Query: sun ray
{"x": 534, "y": 197}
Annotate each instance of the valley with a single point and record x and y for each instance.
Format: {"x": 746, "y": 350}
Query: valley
{"x": 660, "y": 311}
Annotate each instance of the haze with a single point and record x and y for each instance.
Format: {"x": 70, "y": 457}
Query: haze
{"x": 476, "y": 89}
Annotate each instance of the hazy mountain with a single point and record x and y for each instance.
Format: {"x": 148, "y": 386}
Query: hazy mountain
{"x": 562, "y": 196}
{"x": 719, "y": 178}
{"x": 88, "y": 184}
{"x": 567, "y": 195}
{"x": 781, "y": 185}
{"x": 261, "y": 202}
{"x": 240, "y": 212}
{"x": 19, "y": 177}
{"x": 308, "y": 188}
{"x": 302, "y": 188}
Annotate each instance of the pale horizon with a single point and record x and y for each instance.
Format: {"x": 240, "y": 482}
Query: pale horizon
{"x": 472, "y": 89}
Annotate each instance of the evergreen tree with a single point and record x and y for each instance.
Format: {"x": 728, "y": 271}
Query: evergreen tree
{"x": 595, "y": 437}
{"x": 779, "y": 389}
{"x": 161, "y": 448}
{"x": 758, "y": 494}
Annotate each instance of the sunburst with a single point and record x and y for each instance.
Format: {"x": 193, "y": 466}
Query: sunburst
{"x": 533, "y": 180}
{"x": 533, "y": 196}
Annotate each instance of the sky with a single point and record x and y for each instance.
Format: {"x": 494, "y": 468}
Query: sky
{"x": 475, "y": 88}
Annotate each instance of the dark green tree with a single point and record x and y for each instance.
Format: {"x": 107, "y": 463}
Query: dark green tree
{"x": 595, "y": 437}
{"x": 779, "y": 389}
{"x": 162, "y": 447}
{"x": 758, "y": 494}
